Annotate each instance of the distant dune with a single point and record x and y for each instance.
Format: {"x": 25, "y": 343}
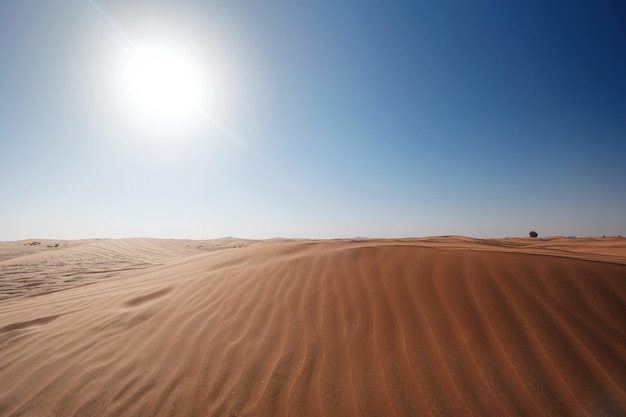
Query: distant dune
{"x": 447, "y": 326}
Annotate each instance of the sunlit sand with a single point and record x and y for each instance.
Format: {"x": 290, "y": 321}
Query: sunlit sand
{"x": 447, "y": 326}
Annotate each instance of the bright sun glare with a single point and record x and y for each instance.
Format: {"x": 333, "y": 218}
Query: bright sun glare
{"x": 162, "y": 85}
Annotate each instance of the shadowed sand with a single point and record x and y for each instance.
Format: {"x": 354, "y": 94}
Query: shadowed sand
{"x": 447, "y": 326}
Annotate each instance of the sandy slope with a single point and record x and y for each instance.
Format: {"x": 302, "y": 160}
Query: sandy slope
{"x": 37, "y": 266}
{"x": 415, "y": 327}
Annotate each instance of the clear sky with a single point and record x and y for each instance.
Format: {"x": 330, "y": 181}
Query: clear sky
{"x": 316, "y": 119}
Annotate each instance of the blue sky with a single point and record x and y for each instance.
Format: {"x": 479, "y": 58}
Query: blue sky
{"x": 334, "y": 119}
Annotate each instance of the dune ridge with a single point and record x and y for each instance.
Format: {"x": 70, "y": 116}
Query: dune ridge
{"x": 433, "y": 327}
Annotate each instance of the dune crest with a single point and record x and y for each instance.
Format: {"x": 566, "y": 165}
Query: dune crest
{"x": 434, "y": 327}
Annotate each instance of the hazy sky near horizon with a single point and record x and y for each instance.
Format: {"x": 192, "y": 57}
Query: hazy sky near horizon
{"x": 317, "y": 119}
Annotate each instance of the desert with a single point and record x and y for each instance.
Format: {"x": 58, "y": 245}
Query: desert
{"x": 439, "y": 326}
{"x": 312, "y": 208}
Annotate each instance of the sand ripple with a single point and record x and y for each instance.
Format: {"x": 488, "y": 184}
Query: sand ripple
{"x": 387, "y": 328}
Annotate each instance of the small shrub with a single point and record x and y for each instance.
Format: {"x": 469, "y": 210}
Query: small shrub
{"x": 533, "y": 234}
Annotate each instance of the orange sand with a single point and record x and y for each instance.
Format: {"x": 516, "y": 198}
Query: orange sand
{"x": 448, "y": 326}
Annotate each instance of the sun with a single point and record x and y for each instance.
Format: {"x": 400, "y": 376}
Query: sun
{"x": 162, "y": 85}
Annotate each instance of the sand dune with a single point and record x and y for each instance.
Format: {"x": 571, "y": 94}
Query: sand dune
{"x": 448, "y": 326}
{"x": 36, "y": 266}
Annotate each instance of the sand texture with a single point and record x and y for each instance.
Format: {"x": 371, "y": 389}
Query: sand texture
{"x": 448, "y": 326}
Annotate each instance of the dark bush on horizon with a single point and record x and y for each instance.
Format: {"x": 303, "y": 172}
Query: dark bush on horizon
{"x": 533, "y": 234}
